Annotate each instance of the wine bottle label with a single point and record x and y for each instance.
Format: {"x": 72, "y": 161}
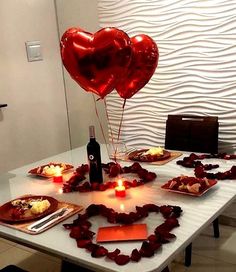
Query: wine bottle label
{"x": 91, "y": 157}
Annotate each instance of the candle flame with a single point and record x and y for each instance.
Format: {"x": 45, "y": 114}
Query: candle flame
{"x": 120, "y": 182}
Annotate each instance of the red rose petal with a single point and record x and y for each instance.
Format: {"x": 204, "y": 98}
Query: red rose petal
{"x": 115, "y": 169}
{"x": 166, "y": 210}
{"x": 135, "y": 167}
{"x": 112, "y": 218}
{"x": 122, "y": 259}
{"x": 87, "y": 234}
{"x": 135, "y": 255}
{"x": 150, "y": 176}
{"x": 134, "y": 183}
{"x": 171, "y": 223}
{"x": 91, "y": 247}
{"x": 68, "y": 226}
{"x": 85, "y": 187}
{"x": 155, "y": 246}
{"x": 76, "y": 232}
{"x": 112, "y": 255}
{"x": 102, "y": 187}
{"x": 83, "y": 243}
{"x": 164, "y": 236}
{"x": 92, "y": 210}
{"x": 95, "y": 186}
{"x": 85, "y": 225}
{"x": 98, "y": 252}
{"x": 151, "y": 207}
{"x": 152, "y": 238}
{"x": 142, "y": 212}
{"x": 146, "y": 250}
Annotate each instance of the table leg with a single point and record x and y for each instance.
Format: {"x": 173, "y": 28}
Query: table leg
{"x": 188, "y": 255}
{"x": 216, "y": 228}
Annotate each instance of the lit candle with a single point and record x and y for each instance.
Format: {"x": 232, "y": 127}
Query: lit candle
{"x": 120, "y": 189}
{"x": 57, "y": 176}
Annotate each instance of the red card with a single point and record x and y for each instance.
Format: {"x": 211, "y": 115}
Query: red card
{"x": 122, "y": 233}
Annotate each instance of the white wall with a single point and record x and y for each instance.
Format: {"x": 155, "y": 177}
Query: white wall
{"x": 34, "y": 125}
{"x": 197, "y": 65}
{"x": 81, "y": 107}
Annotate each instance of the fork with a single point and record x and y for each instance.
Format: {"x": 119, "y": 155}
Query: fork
{"x": 54, "y": 216}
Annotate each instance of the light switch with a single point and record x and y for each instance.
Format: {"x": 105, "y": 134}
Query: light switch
{"x": 34, "y": 51}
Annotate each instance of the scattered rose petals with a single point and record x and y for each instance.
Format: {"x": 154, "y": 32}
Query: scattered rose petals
{"x": 200, "y": 169}
{"x": 112, "y": 169}
{"x": 80, "y": 230}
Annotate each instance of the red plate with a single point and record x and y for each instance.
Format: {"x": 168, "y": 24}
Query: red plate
{"x": 212, "y": 182}
{"x": 137, "y": 156}
{"x": 7, "y": 209}
{"x": 38, "y": 170}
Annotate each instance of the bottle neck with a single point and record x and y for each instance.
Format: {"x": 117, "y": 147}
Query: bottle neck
{"x": 91, "y": 132}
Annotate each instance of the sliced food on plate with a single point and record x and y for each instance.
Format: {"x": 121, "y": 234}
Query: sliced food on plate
{"x": 27, "y": 208}
{"x": 50, "y": 169}
{"x": 189, "y": 185}
{"x": 149, "y": 155}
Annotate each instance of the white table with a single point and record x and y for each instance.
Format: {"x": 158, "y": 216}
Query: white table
{"x": 198, "y": 212}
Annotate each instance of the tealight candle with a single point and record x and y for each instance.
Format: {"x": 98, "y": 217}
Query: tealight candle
{"x": 57, "y": 178}
{"x": 120, "y": 189}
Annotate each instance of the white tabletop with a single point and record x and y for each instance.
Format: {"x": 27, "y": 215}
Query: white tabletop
{"x": 198, "y": 212}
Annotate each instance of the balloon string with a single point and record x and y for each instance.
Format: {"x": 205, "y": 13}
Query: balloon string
{"x": 100, "y": 123}
{"x": 109, "y": 123}
{"x": 119, "y": 131}
{"x": 121, "y": 121}
{"x": 110, "y": 128}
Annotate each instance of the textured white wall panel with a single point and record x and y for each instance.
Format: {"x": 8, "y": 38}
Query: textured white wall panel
{"x": 196, "y": 73}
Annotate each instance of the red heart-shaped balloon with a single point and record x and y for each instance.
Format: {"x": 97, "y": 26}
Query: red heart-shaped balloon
{"x": 96, "y": 61}
{"x": 142, "y": 66}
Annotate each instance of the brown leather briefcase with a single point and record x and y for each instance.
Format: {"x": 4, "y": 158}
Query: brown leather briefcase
{"x": 192, "y": 133}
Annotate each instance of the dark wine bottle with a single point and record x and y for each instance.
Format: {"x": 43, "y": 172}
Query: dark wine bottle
{"x": 94, "y": 158}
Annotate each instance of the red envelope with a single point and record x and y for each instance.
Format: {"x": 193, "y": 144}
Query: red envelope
{"x": 122, "y": 233}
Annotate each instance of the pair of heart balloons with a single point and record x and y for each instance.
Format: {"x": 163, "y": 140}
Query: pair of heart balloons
{"x": 108, "y": 60}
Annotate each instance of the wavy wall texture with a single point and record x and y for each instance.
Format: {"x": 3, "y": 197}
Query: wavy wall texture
{"x": 196, "y": 73}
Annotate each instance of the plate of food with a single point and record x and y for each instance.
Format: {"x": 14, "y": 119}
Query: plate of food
{"x": 27, "y": 208}
{"x": 50, "y": 169}
{"x": 189, "y": 185}
{"x": 149, "y": 155}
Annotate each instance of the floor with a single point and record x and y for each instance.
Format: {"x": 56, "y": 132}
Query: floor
{"x": 209, "y": 254}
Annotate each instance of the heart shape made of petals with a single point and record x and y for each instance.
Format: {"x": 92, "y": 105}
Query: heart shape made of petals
{"x": 80, "y": 230}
